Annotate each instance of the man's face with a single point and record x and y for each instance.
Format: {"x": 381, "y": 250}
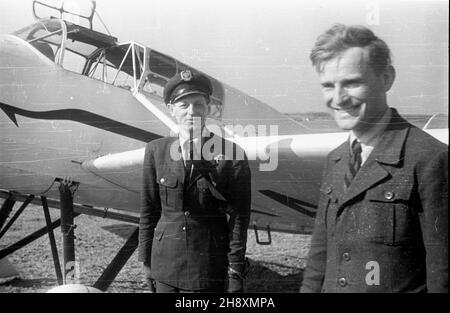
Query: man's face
{"x": 189, "y": 109}
{"x": 353, "y": 92}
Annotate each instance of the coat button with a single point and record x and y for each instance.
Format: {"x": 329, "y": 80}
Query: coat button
{"x": 162, "y": 180}
{"x": 346, "y": 256}
{"x": 328, "y": 190}
{"x": 389, "y": 195}
{"x": 184, "y": 227}
{"x": 187, "y": 213}
{"x": 342, "y": 282}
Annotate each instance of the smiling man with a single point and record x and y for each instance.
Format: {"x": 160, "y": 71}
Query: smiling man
{"x": 195, "y": 210}
{"x": 382, "y": 221}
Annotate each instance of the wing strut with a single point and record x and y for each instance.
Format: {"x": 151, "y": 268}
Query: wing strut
{"x": 110, "y": 273}
{"x": 6, "y": 209}
{"x": 156, "y": 111}
{"x": 69, "y": 211}
{"x": 32, "y": 237}
{"x": 51, "y": 237}
{"x": 16, "y": 215}
{"x": 67, "y": 230}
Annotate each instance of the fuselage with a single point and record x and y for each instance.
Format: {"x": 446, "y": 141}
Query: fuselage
{"x": 56, "y": 124}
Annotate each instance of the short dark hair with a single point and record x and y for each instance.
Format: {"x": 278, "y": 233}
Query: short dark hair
{"x": 340, "y": 37}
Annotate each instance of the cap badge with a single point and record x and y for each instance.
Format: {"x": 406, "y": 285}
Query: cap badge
{"x": 186, "y": 75}
{"x": 219, "y": 158}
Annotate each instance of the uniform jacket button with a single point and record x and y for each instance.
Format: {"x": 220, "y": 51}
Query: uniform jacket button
{"x": 342, "y": 282}
{"x": 187, "y": 213}
{"x": 184, "y": 227}
{"x": 346, "y": 256}
{"x": 389, "y": 195}
{"x": 162, "y": 180}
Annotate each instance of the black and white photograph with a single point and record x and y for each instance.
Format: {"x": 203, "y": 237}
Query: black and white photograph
{"x": 240, "y": 149}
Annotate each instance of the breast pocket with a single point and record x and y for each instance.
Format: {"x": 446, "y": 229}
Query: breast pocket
{"x": 390, "y": 216}
{"x": 168, "y": 183}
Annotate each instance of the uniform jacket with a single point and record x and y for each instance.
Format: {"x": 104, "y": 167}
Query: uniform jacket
{"x": 395, "y": 213}
{"x": 183, "y": 233}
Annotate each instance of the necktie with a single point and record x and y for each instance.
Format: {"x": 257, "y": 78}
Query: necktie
{"x": 189, "y": 162}
{"x": 354, "y": 164}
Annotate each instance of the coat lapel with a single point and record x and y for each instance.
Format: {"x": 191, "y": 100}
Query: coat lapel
{"x": 176, "y": 164}
{"x": 387, "y": 152}
{"x": 340, "y": 157}
{"x": 369, "y": 174}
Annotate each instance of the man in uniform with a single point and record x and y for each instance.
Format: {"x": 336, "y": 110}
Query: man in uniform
{"x": 195, "y": 210}
{"x": 382, "y": 221}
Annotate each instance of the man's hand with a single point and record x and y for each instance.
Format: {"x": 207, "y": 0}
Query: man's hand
{"x": 236, "y": 275}
{"x": 148, "y": 278}
{"x": 235, "y": 284}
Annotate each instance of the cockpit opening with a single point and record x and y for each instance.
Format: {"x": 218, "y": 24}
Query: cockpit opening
{"x": 128, "y": 65}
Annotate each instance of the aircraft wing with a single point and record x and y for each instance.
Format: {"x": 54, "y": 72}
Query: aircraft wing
{"x": 284, "y": 193}
{"x": 275, "y": 194}
{"x": 283, "y": 197}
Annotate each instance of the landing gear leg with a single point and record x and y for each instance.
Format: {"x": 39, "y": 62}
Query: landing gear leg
{"x": 67, "y": 229}
{"x": 6, "y": 209}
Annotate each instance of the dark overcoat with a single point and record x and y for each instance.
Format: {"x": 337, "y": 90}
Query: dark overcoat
{"x": 389, "y": 231}
{"x": 184, "y": 233}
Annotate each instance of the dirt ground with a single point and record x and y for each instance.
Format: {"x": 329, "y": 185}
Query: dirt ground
{"x": 274, "y": 268}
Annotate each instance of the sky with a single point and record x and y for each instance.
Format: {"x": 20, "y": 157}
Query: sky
{"x": 262, "y": 47}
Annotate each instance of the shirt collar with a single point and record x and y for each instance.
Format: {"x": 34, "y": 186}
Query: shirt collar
{"x": 184, "y": 142}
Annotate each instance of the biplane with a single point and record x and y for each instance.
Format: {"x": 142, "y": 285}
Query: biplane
{"x": 77, "y": 108}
